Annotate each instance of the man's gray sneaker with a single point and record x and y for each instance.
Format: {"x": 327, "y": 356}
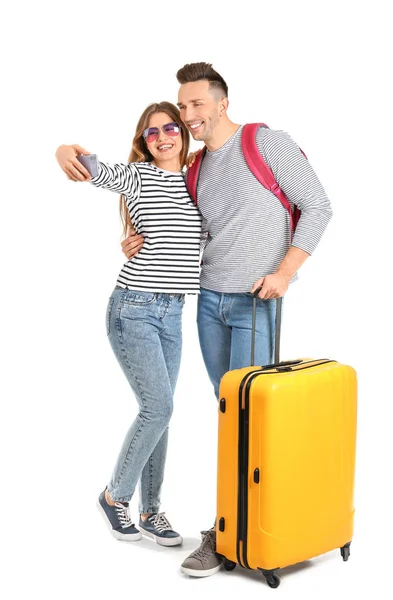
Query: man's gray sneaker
{"x": 203, "y": 561}
{"x": 157, "y": 527}
{"x": 118, "y": 520}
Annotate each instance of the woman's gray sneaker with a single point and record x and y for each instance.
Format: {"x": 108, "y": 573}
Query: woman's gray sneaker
{"x": 203, "y": 561}
{"x": 157, "y": 527}
{"x": 118, "y": 520}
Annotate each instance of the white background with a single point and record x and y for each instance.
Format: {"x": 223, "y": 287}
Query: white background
{"x": 82, "y": 72}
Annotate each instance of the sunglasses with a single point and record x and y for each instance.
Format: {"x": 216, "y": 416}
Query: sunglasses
{"x": 170, "y": 129}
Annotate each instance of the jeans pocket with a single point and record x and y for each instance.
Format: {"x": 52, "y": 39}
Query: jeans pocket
{"x": 139, "y": 298}
{"x": 108, "y": 315}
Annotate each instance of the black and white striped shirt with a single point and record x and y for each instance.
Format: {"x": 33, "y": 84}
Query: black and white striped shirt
{"x": 163, "y": 212}
{"x": 248, "y": 228}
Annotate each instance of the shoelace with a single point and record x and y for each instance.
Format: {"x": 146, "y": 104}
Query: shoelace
{"x": 207, "y": 546}
{"x": 122, "y": 515}
{"x": 160, "y": 522}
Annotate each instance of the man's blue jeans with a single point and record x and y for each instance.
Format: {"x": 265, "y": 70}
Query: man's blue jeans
{"x": 224, "y": 328}
{"x": 145, "y": 332}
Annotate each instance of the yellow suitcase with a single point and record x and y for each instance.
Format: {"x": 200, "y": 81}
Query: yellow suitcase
{"x": 286, "y": 463}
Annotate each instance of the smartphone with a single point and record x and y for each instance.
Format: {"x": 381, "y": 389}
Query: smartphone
{"x": 90, "y": 162}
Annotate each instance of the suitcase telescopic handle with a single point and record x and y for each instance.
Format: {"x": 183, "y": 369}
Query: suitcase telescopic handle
{"x": 278, "y": 328}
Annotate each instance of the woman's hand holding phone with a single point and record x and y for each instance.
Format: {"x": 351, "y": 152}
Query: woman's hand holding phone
{"x": 67, "y": 158}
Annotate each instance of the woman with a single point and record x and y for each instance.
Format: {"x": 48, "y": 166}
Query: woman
{"x": 145, "y": 309}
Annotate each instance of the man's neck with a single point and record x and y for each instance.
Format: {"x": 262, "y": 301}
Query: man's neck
{"x": 221, "y": 135}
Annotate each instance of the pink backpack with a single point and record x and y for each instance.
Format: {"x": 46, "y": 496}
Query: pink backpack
{"x": 257, "y": 166}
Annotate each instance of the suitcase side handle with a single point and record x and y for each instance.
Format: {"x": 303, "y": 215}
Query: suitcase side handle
{"x": 278, "y": 328}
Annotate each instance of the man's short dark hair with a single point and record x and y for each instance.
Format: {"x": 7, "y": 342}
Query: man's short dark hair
{"x": 199, "y": 71}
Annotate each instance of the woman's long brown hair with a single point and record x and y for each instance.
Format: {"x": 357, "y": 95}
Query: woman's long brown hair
{"x": 140, "y": 153}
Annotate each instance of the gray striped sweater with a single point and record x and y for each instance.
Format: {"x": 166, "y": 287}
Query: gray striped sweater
{"x": 248, "y": 232}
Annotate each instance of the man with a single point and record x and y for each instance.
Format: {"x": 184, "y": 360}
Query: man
{"x": 248, "y": 239}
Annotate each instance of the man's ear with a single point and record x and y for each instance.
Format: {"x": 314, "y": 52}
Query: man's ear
{"x": 223, "y": 106}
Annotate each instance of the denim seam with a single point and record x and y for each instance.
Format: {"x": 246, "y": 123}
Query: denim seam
{"x": 131, "y": 302}
{"x": 150, "y": 492}
{"x": 165, "y": 309}
{"x": 109, "y": 315}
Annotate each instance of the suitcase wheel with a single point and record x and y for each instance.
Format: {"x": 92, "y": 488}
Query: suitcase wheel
{"x": 345, "y": 552}
{"x": 272, "y": 579}
{"x": 229, "y": 565}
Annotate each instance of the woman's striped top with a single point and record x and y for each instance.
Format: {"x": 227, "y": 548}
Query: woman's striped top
{"x": 163, "y": 212}
{"x": 248, "y": 228}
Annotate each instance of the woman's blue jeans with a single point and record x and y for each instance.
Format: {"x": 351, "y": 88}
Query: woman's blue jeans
{"x": 145, "y": 332}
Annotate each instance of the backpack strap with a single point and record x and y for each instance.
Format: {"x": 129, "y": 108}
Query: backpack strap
{"x": 193, "y": 175}
{"x": 262, "y": 172}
